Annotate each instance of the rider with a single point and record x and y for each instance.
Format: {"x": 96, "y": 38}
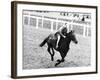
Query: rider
{"x": 61, "y": 32}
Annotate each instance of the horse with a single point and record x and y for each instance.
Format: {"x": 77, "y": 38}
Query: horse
{"x": 63, "y": 45}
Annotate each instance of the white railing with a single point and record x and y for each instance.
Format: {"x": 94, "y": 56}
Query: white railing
{"x": 85, "y": 27}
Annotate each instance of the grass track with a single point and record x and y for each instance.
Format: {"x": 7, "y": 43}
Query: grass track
{"x": 35, "y": 57}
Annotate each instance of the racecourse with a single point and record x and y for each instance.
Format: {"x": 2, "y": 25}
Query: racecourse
{"x": 35, "y": 57}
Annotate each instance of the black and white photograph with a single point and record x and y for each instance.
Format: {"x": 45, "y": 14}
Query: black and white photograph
{"x": 54, "y": 39}
{"x": 43, "y": 39}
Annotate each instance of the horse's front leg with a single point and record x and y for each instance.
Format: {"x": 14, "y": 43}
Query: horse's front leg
{"x": 63, "y": 55}
{"x": 50, "y": 53}
{"x": 62, "y": 59}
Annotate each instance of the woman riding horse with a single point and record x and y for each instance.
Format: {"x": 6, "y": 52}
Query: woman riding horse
{"x": 63, "y": 46}
{"x": 61, "y": 33}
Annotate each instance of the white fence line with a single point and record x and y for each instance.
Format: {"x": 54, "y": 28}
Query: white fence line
{"x": 85, "y": 27}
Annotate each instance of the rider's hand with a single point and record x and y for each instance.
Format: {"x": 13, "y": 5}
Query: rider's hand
{"x": 64, "y": 36}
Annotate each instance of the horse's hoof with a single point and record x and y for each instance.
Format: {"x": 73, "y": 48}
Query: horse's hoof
{"x": 56, "y": 64}
{"x": 58, "y": 60}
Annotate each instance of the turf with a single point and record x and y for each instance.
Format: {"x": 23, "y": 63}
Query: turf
{"x": 35, "y": 57}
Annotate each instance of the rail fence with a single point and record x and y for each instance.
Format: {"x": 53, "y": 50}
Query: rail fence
{"x": 54, "y": 23}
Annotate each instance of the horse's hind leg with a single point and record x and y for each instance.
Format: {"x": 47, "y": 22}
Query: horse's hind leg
{"x": 48, "y": 49}
{"x": 53, "y": 53}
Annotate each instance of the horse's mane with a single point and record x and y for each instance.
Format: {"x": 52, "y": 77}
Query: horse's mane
{"x": 72, "y": 31}
{"x": 68, "y": 34}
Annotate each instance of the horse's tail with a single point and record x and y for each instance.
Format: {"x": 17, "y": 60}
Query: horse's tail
{"x": 43, "y": 43}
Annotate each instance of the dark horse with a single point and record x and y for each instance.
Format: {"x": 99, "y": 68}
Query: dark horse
{"x": 63, "y": 46}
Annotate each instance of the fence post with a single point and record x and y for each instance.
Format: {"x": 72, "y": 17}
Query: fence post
{"x": 84, "y": 30}
{"x": 68, "y": 27}
{"x": 87, "y": 30}
{"x": 42, "y": 21}
{"x": 57, "y": 24}
{"x": 51, "y": 25}
{"x": 36, "y": 22}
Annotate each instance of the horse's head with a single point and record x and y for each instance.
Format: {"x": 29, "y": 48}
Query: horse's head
{"x": 72, "y": 36}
